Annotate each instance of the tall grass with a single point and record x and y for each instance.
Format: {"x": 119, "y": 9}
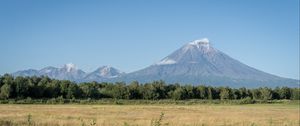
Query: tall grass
{"x": 109, "y": 101}
{"x": 158, "y": 122}
{"x": 150, "y": 115}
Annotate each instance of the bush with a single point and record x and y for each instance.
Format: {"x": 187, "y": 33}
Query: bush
{"x": 247, "y": 100}
{"x": 60, "y": 100}
{"x": 28, "y": 100}
{"x": 158, "y": 122}
{"x": 6, "y": 123}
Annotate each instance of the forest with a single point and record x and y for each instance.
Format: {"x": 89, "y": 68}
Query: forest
{"x": 45, "y": 88}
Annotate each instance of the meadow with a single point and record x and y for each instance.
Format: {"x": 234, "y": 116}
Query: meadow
{"x": 147, "y": 115}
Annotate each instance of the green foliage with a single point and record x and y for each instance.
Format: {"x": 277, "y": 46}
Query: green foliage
{"x": 26, "y": 89}
{"x": 5, "y": 91}
{"x": 295, "y": 94}
{"x": 202, "y": 92}
{"x": 236, "y": 94}
{"x": 73, "y": 91}
{"x": 256, "y": 94}
{"x": 120, "y": 91}
{"x": 93, "y": 123}
{"x": 155, "y": 90}
{"x": 158, "y": 122}
{"x": 225, "y": 93}
{"x": 90, "y": 90}
{"x": 210, "y": 93}
{"x": 266, "y": 93}
{"x": 29, "y": 120}
{"x": 179, "y": 94}
{"x": 134, "y": 90}
{"x": 285, "y": 93}
{"x": 6, "y": 123}
{"x": 247, "y": 100}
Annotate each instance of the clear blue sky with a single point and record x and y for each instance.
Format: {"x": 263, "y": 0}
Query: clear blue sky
{"x": 131, "y": 35}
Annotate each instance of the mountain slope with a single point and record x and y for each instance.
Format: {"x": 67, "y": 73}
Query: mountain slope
{"x": 103, "y": 74}
{"x": 70, "y": 72}
{"x": 195, "y": 63}
{"x": 29, "y": 72}
{"x": 199, "y": 63}
{"x": 67, "y": 72}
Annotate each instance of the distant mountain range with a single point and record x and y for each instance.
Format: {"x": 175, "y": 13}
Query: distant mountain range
{"x": 70, "y": 72}
{"x": 195, "y": 63}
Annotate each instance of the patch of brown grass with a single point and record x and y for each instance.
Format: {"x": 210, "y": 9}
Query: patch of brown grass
{"x": 174, "y": 115}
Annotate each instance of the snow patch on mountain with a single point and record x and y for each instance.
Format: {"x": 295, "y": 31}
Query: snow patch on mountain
{"x": 70, "y": 67}
{"x": 109, "y": 72}
{"x": 204, "y": 42}
{"x": 166, "y": 61}
{"x": 197, "y": 62}
{"x": 70, "y": 72}
{"x": 102, "y": 74}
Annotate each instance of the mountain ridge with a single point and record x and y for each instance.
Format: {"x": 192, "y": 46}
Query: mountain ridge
{"x": 196, "y": 62}
{"x": 71, "y": 72}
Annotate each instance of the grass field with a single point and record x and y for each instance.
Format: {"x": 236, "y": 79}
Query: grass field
{"x": 143, "y": 115}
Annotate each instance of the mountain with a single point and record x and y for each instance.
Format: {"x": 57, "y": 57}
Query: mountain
{"x": 67, "y": 72}
{"x": 29, "y": 72}
{"x": 103, "y": 74}
{"x": 70, "y": 72}
{"x": 198, "y": 62}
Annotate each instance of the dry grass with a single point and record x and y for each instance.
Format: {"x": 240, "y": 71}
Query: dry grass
{"x": 175, "y": 115}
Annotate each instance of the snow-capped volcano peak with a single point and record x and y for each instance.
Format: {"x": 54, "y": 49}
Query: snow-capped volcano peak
{"x": 204, "y": 42}
{"x": 103, "y": 73}
{"x": 70, "y": 66}
{"x": 105, "y": 70}
{"x": 193, "y": 52}
{"x": 198, "y": 62}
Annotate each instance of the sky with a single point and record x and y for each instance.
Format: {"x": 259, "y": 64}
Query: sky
{"x": 131, "y": 35}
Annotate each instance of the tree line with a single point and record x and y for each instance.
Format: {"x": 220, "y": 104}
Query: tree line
{"x": 44, "y": 87}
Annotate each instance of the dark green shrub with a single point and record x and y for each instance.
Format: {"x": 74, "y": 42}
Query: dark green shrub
{"x": 247, "y": 100}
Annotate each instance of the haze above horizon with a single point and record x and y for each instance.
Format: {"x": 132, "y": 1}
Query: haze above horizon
{"x": 131, "y": 35}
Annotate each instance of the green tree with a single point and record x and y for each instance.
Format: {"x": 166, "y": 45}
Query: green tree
{"x": 154, "y": 90}
{"x": 53, "y": 89}
{"x": 5, "y": 91}
{"x": 9, "y": 80}
{"x": 21, "y": 87}
{"x": 243, "y": 93}
{"x": 225, "y": 93}
{"x": 190, "y": 92}
{"x": 120, "y": 91}
{"x": 179, "y": 94}
{"x": 285, "y": 93}
{"x": 210, "y": 93}
{"x": 1, "y": 81}
{"x": 90, "y": 90}
{"x": 159, "y": 89}
{"x": 40, "y": 89}
{"x": 216, "y": 93}
{"x": 266, "y": 93}
{"x": 134, "y": 90}
{"x": 149, "y": 92}
{"x": 169, "y": 89}
{"x": 64, "y": 88}
{"x": 295, "y": 94}
{"x": 73, "y": 91}
{"x": 33, "y": 89}
{"x": 202, "y": 92}
{"x": 256, "y": 94}
{"x": 236, "y": 94}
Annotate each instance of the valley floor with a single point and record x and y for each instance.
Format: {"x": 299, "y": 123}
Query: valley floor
{"x": 143, "y": 115}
